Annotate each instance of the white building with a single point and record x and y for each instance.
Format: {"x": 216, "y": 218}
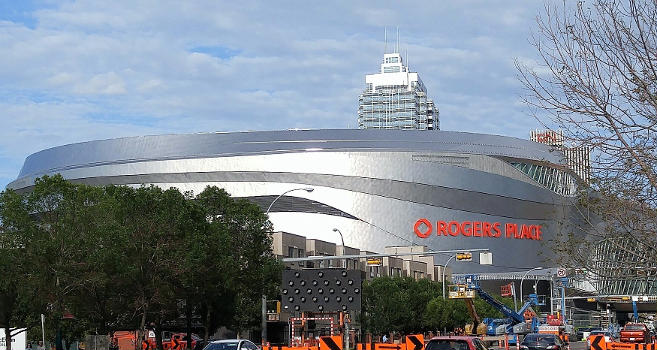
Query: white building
{"x": 396, "y": 98}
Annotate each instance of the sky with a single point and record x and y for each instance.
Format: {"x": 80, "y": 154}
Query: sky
{"x": 73, "y": 71}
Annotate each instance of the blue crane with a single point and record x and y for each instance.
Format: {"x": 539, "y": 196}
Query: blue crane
{"x": 514, "y": 317}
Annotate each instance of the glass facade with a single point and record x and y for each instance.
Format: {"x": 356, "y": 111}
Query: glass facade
{"x": 558, "y": 181}
{"x": 396, "y": 99}
{"x": 396, "y": 108}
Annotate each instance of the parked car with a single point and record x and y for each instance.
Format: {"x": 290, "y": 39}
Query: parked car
{"x": 231, "y": 344}
{"x": 608, "y": 337}
{"x": 455, "y": 343}
{"x": 635, "y": 333}
{"x": 584, "y": 332}
{"x": 537, "y": 341}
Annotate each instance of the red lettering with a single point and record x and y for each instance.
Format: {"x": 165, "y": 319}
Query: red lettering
{"x": 477, "y": 229}
{"x": 496, "y": 228}
{"x": 486, "y": 229}
{"x": 442, "y": 228}
{"x": 454, "y": 232}
{"x": 532, "y": 232}
{"x": 509, "y": 229}
{"x": 426, "y": 223}
{"x": 423, "y": 228}
{"x": 519, "y": 234}
{"x": 467, "y": 228}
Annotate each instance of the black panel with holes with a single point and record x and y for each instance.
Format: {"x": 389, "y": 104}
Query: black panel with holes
{"x": 321, "y": 290}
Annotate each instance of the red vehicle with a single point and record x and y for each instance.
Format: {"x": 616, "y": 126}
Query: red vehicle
{"x": 455, "y": 343}
{"x": 635, "y": 333}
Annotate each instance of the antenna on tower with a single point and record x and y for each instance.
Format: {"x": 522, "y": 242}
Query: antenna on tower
{"x": 397, "y": 48}
{"x": 408, "y": 65}
{"x": 385, "y": 40}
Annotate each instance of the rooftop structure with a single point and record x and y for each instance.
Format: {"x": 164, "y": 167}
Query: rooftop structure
{"x": 396, "y": 98}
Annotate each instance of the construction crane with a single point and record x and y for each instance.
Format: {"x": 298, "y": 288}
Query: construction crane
{"x": 462, "y": 292}
{"x": 517, "y": 319}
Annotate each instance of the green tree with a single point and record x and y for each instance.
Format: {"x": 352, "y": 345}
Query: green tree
{"x": 151, "y": 228}
{"x": 242, "y": 266}
{"x": 63, "y": 217}
{"x": 397, "y": 304}
{"x": 18, "y": 297}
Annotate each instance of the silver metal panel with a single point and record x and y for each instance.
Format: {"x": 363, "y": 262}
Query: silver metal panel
{"x": 383, "y": 180}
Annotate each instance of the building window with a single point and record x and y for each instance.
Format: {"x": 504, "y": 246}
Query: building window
{"x": 290, "y": 252}
{"x": 393, "y": 69}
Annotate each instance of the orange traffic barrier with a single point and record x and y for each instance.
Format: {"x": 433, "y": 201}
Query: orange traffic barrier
{"x": 412, "y": 342}
{"x": 598, "y": 343}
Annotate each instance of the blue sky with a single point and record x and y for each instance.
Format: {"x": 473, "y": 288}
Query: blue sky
{"x": 74, "y": 71}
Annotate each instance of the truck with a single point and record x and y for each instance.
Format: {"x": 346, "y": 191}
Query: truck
{"x": 513, "y": 322}
{"x": 635, "y": 333}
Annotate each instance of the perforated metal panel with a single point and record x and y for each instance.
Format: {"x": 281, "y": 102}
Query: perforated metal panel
{"x": 321, "y": 290}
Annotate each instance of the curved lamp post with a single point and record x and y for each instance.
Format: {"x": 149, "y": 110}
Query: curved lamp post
{"x": 445, "y": 268}
{"x": 523, "y": 278}
{"x": 264, "y": 297}
{"x": 307, "y": 189}
{"x": 344, "y": 262}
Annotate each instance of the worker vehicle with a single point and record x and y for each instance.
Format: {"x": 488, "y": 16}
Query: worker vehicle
{"x": 455, "y": 343}
{"x": 635, "y": 333}
{"x": 514, "y": 322}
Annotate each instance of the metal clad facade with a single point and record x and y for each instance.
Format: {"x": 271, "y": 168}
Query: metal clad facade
{"x": 373, "y": 185}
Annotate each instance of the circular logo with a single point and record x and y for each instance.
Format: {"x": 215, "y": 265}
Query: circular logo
{"x": 561, "y": 272}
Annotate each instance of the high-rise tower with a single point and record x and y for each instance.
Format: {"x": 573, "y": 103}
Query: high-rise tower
{"x": 395, "y": 98}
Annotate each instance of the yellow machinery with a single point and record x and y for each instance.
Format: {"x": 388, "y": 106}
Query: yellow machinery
{"x": 461, "y": 291}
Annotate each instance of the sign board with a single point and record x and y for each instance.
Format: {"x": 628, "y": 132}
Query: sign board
{"x": 374, "y": 261}
{"x": 506, "y": 290}
{"x": 415, "y": 342}
{"x": 18, "y": 341}
{"x": 323, "y": 290}
{"x": 485, "y": 258}
{"x": 561, "y": 272}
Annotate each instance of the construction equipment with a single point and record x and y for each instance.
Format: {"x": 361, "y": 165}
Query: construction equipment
{"x": 462, "y": 292}
{"x": 515, "y": 322}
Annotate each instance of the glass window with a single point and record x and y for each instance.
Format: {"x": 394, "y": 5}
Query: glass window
{"x": 447, "y": 344}
{"x": 222, "y": 346}
{"x": 479, "y": 344}
{"x": 249, "y": 346}
{"x": 394, "y": 69}
{"x": 290, "y": 252}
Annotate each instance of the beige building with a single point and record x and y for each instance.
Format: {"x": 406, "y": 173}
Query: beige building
{"x": 287, "y": 245}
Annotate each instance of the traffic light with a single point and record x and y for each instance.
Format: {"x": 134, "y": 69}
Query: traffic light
{"x": 323, "y": 290}
{"x": 464, "y": 256}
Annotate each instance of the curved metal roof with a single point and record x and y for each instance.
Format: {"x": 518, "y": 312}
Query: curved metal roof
{"x": 182, "y": 146}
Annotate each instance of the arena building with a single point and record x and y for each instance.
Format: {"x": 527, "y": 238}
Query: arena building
{"x": 380, "y": 188}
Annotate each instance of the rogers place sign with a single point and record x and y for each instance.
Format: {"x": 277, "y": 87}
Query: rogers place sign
{"x": 424, "y": 228}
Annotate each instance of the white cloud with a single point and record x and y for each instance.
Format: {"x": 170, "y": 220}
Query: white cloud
{"x": 91, "y": 69}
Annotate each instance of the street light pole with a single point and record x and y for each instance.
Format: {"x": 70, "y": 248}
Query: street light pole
{"x": 342, "y": 240}
{"x": 307, "y": 189}
{"x": 445, "y": 268}
{"x": 523, "y": 278}
{"x": 264, "y": 297}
